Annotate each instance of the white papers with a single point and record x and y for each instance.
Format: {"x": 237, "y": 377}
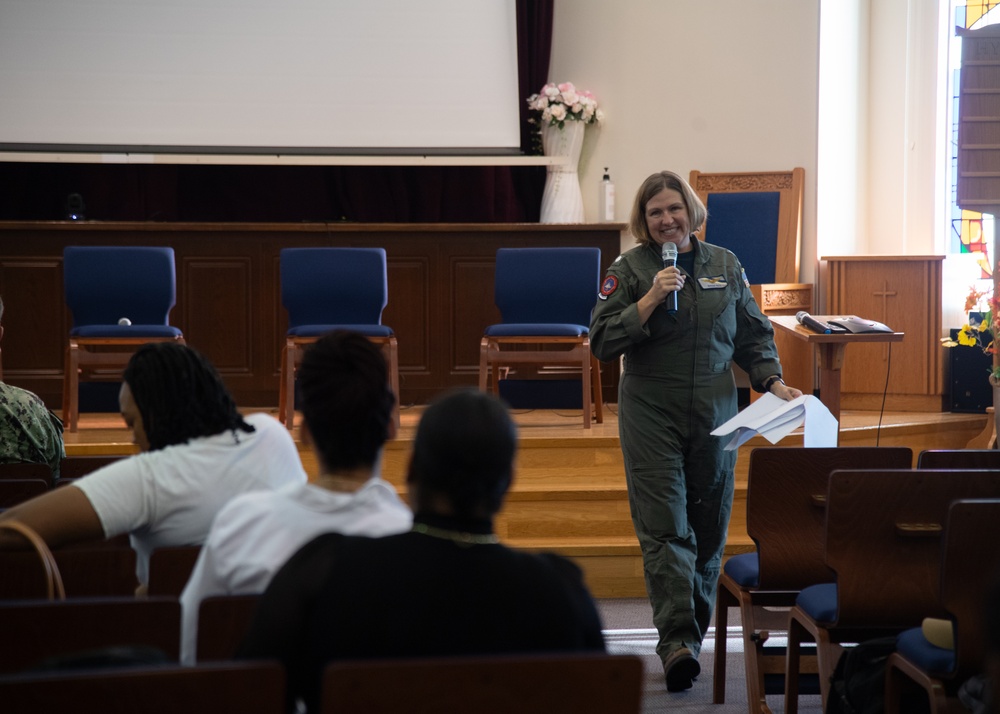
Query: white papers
{"x": 774, "y": 419}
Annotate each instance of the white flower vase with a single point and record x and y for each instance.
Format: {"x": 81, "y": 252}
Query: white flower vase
{"x": 562, "y": 201}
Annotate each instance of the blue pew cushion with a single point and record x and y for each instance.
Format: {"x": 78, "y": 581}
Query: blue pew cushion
{"x": 536, "y": 329}
{"x": 744, "y": 569}
{"x": 120, "y": 331}
{"x": 929, "y": 657}
{"x": 319, "y": 330}
{"x": 819, "y": 602}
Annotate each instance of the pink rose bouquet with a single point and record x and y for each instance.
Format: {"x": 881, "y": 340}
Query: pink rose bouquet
{"x": 560, "y": 103}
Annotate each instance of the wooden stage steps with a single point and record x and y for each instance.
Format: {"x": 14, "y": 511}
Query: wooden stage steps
{"x": 569, "y": 493}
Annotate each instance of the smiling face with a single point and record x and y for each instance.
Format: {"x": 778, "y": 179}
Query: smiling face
{"x": 133, "y": 419}
{"x": 667, "y": 220}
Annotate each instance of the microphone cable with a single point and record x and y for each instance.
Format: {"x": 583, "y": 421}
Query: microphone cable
{"x": 885, "y": 390}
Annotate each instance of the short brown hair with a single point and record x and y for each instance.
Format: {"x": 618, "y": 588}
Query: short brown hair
{"x": 653, "y": 185}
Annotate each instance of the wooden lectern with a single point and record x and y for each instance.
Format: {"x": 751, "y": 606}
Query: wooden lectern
{"x": 830, "y": 352}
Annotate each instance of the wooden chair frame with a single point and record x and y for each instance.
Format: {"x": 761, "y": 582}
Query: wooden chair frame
{"x": 883, "y": 540}
{"x": 967, "y": 571}
{"x": 493, "y": 356}
{"x": 82, "y": 362}
{"x": 291, "y": 358}
{"x": 786, "y": 495}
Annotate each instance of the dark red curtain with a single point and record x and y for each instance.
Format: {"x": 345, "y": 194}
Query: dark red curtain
{"x": 114, "y": 192}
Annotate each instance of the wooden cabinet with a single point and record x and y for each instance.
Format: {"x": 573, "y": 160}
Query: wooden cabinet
{"x": 903, "y": 292}
{"x": 229, "y": 301}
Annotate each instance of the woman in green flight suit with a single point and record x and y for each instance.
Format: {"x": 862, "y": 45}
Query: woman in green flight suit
{"x": 677, "y": 386}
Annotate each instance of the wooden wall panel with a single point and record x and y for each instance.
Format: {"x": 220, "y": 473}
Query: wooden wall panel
{"x": 217, "y": 307}
{"x": 34, "y": 334}
{"x": 229, "y": 302}
{"x": 470, "y": 280}
{"x": 409, "y": 314}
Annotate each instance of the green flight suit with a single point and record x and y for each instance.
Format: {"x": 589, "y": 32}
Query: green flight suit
{"x": 676, "y": 387}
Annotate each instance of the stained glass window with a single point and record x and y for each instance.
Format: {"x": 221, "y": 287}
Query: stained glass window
{"x": 970, "y": 232}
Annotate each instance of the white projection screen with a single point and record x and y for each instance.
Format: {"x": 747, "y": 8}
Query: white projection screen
{"x": 259, "y": 76}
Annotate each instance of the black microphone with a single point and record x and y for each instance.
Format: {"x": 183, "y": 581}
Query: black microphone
{"x": 812, "y": 323}
{"x": 669, "y": 255}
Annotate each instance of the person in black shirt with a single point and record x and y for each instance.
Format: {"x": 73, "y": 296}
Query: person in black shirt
{"x": 445, "y": 588}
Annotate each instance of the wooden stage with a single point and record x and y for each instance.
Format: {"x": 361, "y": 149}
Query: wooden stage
{"x": 569, "y": 494}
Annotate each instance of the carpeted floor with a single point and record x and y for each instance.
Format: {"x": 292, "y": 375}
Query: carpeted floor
{"x": 628, "y": 629}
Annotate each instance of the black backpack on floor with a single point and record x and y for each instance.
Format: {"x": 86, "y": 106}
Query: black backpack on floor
{"x": 858, "y": 682}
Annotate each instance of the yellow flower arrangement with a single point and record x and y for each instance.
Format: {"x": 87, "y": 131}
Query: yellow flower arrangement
{"x": 979, "y": 334}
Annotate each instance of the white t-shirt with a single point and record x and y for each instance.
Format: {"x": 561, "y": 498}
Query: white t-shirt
{"x": 170, "y": 496}
{"x": 255, "y": 534}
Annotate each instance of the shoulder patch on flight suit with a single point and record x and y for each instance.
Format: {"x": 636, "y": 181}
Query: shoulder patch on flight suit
{"x": 608, "y": 287}
{"x": 746, "y": 281}
{"x": 716, "y": 282}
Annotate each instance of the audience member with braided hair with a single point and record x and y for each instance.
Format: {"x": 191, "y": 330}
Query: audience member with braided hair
{"x": 197, "y": 453}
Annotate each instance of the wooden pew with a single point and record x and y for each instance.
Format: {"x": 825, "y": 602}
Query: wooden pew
{"x": 79, "y": 466}
{"x": 967, "y": 571}
{"x": 87, "y": 570}
{"x": 244, "y": 687}
{"x": 222, "y": 623}
{"x": 786, "y": 516}
{"x": 18, "y": 490}
{"x": 39, "y": 630}
{"x": 884, "y": 541}
{"x": 23, "y": 471}
{"x": 170, "y": 568}
{"x": 528, "y": 684}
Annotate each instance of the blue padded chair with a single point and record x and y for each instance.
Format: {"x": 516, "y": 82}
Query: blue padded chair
{"x": 120, "y": 297}
{"x": 884, "y": 542}
{"x": 326, "y": 289}
{"x": 785, "y": 516}
{"x": 968, "y": 569}
{"x": 545, "y": 297}
{"x": 758, "y": 216}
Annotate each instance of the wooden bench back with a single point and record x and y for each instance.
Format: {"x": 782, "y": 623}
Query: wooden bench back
{"x": 786, "y": 511}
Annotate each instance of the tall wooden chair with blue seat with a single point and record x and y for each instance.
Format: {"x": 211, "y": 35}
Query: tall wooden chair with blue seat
{"x": 120, "y": 297}
{"x": 758, "y": 216}
{"x": 545, "y": 297}
{"x": 786, "y": 518}
{"x": 884, "y": 542}
{"x": 968, "y": 568}
{"x": 326, "y": 289}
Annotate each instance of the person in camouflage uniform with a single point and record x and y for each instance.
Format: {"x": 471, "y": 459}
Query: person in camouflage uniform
{"x": 29, "y": 432}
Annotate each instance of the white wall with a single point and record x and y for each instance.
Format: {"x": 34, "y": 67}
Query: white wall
{"x": 904, "y": 139}
{"x": 735, "y": 85}
{"x": 842, "y": 179}
{"x": 722, "y": 86}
